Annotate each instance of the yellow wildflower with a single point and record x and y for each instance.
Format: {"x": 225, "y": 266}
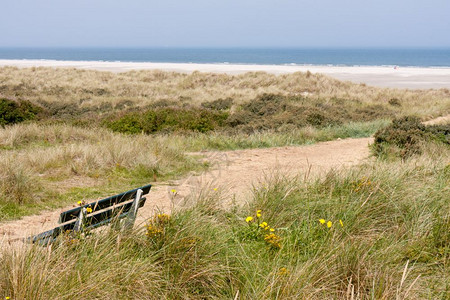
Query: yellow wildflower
{"x": 322, "y": 221}
{"x": 154, "y": 231}
{"x": 263, "y": 225}
{"x": 162, "y": 218}
{"x": 173, "y": 191}
{"x": 273, "y": 240}
{"x": 258, "y": 213}
{"x": 89, "y": 209}
{"x": 80, "y": 202}
{"x": 215, "y": 189}
{"x": 340, "y": 222}
{"x": 272, "y": 230}
{"x": 283, "y": 271}
{"x": 329, "y": 224}
{"x": 248, "y": 219}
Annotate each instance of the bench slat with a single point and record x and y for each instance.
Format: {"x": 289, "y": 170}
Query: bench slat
{"x": 72, "y": 214}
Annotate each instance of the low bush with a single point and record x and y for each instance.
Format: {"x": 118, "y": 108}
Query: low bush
{"x": 270, "y": 111}
{"x": 168, "y": 119}
{"x": 406, "y": 136}
{"x": 12, "y": 111}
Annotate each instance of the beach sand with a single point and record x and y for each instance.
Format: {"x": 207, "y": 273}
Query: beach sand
{"x": 402, "y": 77}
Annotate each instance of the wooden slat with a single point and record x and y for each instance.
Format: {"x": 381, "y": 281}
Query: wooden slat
{"x": 102, "y": 204}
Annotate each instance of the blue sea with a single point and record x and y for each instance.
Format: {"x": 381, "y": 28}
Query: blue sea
{"x": 274, "y": 56}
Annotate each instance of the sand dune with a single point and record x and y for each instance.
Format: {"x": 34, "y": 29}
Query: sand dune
{"x": 403, "y": 77}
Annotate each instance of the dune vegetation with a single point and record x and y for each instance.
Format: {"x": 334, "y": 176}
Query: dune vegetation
{"x": 379, "y": 230}
{"x": 72, "y": 91}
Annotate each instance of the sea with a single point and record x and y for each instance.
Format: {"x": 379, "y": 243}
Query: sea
{"x": 405, "y": 57}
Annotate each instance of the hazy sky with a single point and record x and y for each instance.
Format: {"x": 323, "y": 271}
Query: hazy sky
{"x": 225, "y": 23}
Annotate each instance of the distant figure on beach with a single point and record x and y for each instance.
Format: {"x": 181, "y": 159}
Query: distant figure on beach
{"x": 395, "y": 67}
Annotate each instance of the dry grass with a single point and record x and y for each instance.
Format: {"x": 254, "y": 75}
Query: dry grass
{"x": 39, "y": 162}
{"x": 106, "y": 91}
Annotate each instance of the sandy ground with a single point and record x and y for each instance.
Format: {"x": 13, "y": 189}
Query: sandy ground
{"x": 411, "y": 78}
{"x": 438, "y": 121}
{"x": 233, "y": 174}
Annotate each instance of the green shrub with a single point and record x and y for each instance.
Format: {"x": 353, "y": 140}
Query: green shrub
{"x": 167, "y": 120}
{"x": 405, "y": 136}
{"x": 440, "y": 133}
{"x": 12, "y": 112}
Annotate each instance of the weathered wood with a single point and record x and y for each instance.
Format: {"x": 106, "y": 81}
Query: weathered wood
{"x": 102, "y": 204}
{"x": 78, "y": 226}
{"x": 120, "y": 206}
{"x": 129, "y": 222}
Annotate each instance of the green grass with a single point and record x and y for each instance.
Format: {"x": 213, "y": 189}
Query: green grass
{"x": 394, "y": 244}
{"x": 266, "y": 139}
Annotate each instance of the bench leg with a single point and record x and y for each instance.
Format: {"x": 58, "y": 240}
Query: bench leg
{"x": 79, "y": 223}
{"x": 131, "y": 217}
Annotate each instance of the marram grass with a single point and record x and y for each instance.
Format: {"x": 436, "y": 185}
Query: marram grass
{"x": 377, "y": 231}
{"x": 49, "y": 166}
{"x": 64, "y": 87}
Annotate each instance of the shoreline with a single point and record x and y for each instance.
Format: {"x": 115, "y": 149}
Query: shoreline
{"x": 380, "y": 76}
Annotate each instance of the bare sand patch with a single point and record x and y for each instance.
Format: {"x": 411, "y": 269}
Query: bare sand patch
{"x": 438, "y": 121}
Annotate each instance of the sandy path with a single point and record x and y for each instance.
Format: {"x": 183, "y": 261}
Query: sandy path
{"x": 438, "y": 121}
{"x": 233, "y": 174}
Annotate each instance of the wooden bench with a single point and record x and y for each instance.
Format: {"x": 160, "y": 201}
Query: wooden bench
{"x": 96, "y": 214}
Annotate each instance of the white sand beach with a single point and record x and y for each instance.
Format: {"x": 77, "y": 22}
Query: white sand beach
{"x": 402, "y": 77}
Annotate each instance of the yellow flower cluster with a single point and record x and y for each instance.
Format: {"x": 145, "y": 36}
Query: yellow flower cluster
{"x": 273, "y": 240}
{"x": 162, "y": 218}
{"x": 330, "y": 223}
{"x": 266, "y": 226}
{"x": 361, "y": 184}
{"x": 262, "y": 225}
{"x": 153, "y": 231}
{"x": 157, "y": 225}
{"x": 283, "y": 271}
{"x": 89, "y": 209}
{"x": 268, "y": 232}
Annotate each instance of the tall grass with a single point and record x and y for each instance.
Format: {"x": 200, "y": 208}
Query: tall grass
{"x": 44, "y": 166}
{"x": 393, "y": 243}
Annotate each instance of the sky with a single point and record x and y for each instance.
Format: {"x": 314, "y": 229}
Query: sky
{"x": 225, "y": 23}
